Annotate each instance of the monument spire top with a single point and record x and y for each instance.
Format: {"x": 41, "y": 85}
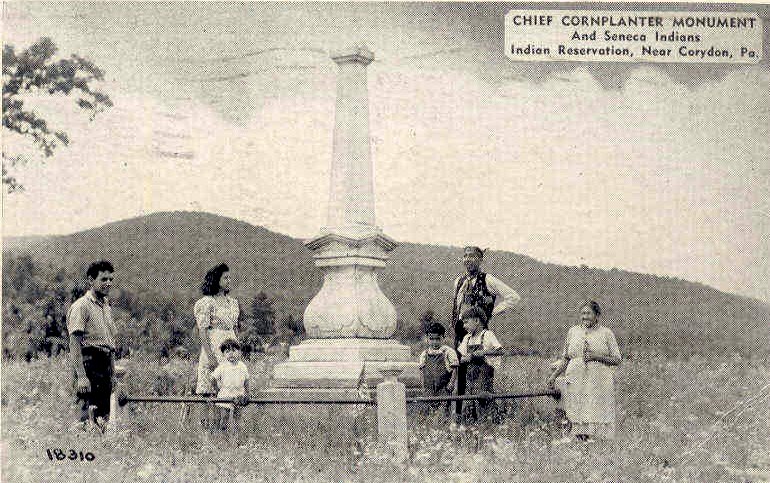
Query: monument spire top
{"x": 358, "y": 54}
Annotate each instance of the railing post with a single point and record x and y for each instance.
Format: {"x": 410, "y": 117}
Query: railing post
{"x": 117, "y": 413}
{"x": 391, "y": 413}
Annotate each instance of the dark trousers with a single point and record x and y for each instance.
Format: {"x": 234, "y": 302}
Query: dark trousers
{"x": 97, "y": 363}
{"x": 462, "y": 378}
{"x": 480, "y": 378}
{"x": 435, "y": 378}
{"x": 462, "y": 369}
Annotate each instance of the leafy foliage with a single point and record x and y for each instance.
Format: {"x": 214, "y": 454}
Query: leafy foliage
{"x": 263, "y": 314}
{"x": 256, "y": 331}
{"x": 34, "y": 71}
{"x": 35, "y": 303}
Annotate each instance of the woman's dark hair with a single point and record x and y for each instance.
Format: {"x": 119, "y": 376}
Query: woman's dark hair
{"x": 210, "y": 284}
{"x": 475, "y": 313}
{"x": 594, "y": 306}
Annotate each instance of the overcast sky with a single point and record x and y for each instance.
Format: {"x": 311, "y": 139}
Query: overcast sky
{"x": 228, "y": 108}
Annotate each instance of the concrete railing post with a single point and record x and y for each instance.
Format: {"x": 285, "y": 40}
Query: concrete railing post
{"x": 117, "y": 412}
{"x": 391, "y": 413}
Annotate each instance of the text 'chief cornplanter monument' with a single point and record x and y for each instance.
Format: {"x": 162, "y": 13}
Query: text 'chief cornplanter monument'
{"x": 350, "y": 321}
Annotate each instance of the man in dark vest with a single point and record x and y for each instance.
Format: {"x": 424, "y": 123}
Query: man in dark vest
{"x": 476, "y": 288}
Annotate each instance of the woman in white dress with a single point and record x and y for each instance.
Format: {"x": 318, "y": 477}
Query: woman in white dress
{"x": 216, "y": 315}
{"x": 590, "y": 356}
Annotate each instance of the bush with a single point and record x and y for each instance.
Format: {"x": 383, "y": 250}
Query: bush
{"x": 35, "y": 303}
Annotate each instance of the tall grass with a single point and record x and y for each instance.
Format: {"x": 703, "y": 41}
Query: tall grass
{"x": 669, "y": 429}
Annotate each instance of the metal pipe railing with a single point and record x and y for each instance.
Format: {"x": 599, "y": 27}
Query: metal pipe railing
{"x": 485, "y": 396}
{"x": 208, "y": 400}
{"x": 419, "y": 399}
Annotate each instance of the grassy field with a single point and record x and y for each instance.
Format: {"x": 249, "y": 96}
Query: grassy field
{"x": 674, "y": 425}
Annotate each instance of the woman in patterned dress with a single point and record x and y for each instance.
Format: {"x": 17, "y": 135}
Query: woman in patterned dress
{"x": 590, "y": 356}
{"x": 216, "y": 315}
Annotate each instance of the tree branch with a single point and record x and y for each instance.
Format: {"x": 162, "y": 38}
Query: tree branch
{"x": 33, "y": 70}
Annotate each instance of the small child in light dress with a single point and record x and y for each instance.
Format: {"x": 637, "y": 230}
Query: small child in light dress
{"x": 481, "y": 352}
{"x": 231, "y": 379}
{"x": 438, "y": 364}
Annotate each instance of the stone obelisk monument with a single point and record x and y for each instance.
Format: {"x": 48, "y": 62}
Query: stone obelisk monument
{"x": 350, "y": 322}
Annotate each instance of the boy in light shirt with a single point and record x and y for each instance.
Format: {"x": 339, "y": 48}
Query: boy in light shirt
{"x": 231, "y": 379}
{"x": 481, "y": 352}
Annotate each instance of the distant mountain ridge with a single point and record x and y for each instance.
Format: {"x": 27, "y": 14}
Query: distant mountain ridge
{"x": 166, "y": 254}
{"x": 22, "y": 242}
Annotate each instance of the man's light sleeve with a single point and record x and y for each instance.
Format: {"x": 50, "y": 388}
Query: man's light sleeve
{"x": 76, "y": 318}
{"x": 507, "y": 296}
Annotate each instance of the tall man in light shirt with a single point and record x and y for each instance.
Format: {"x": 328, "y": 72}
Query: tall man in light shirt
{"x": 92, "y": 342}
{"x": 476, "y": 288}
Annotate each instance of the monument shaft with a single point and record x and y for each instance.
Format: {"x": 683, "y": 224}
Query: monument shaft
{"x": 351, "y": 195}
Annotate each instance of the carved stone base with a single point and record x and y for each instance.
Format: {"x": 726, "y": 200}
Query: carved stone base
{"x": 350, "y": 303}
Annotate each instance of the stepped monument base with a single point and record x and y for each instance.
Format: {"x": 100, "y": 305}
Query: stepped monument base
{"x": 343, "y": 368}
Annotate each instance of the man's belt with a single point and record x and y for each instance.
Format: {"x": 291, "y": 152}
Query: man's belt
{"x": 101, "y": 348}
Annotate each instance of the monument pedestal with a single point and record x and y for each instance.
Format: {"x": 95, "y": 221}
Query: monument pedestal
{"x": 343, "y": 368}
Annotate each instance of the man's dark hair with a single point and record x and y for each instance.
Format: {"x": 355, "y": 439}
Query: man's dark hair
{"x": 210, "y": 284}
{"x": 475, "y": 313}
{"x": 97, "y": 267}
{"x": 435, "y": 328}
{"x": 229, "y": 344}
{"x": 476, "y": 250}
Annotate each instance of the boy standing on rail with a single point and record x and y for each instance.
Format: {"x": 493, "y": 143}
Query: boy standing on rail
{"x": 231, "y": 379}
{"x": 439, "y": 365}
{"x": 480, "y": 351}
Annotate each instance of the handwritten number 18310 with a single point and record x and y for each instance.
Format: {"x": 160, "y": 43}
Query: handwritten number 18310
{"x": 58, "y": 454}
